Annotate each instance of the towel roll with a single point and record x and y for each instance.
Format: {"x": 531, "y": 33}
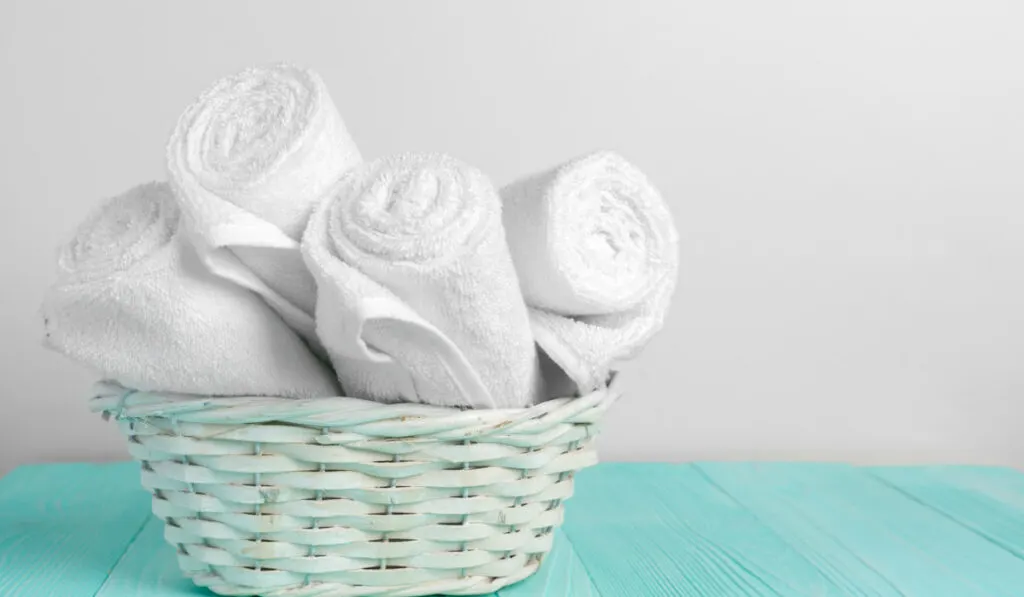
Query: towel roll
{"x": 133, "y": 302}
{"x": 249, "y": 159}
{"x": 426, "y": 232}
{"x": 597, "y": 255}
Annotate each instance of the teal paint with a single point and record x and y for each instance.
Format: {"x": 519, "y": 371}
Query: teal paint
{"x": 631, "y": 530}
{"x": 63, "y": 528}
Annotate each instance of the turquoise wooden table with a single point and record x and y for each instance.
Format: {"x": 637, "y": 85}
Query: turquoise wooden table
{"x": 632, "y": 530}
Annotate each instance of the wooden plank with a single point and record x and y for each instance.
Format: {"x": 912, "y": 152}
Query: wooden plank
{"x": 662, "y": 529}
{"x": 64, "y": 527}
{"x": 863, "y": 529}
{"x": 989, "y": 501}
{"x": 561, "y": 575}
{"x": 1003, "y": 484}
{"x": 632, "y": 529}
{"x": 149, "y": 568}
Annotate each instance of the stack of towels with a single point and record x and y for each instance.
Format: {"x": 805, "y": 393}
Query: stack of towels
{"x": 276, "y": 261}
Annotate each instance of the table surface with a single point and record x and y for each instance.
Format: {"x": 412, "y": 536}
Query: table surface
{"x": 631, "y": 530}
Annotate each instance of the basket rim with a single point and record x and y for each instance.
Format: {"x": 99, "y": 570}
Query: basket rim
{"x": 113, "y": 400}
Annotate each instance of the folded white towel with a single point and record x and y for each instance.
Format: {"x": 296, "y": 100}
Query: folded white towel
{"x": 411, "y": 263}
{"x": 596, "y": 251}
{"x": 248, "y": 160}
{"x": 134, "y": 302}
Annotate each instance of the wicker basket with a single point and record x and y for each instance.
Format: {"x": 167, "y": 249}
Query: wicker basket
{"x": 348, "y": 497}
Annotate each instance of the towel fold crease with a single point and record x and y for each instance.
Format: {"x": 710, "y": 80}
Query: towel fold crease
{"x": 134, "y": 302}
{"x": 413, "y": 273}
{"x": 596, "y": 251}
{"x": 249, "y": 159}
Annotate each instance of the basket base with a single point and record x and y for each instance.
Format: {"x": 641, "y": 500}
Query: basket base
{"x": 470, "y": 585}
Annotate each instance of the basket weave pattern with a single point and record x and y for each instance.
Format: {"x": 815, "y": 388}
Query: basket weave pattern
{"x": 346, "y": 497}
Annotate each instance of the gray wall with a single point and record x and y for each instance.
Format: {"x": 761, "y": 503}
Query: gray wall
{"x": 846, "y": 178}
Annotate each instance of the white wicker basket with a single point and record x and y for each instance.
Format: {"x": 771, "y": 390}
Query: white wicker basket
{"x": 348, "y": 497}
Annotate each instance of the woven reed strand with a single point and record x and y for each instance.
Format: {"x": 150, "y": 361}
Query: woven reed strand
{"x": 342, "y": 497}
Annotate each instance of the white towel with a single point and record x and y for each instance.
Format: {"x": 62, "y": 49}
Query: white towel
{"x": 134, "y": 303}
{"x": 597, "y": 255}
{"x": 411, "y": 263}
{"x": 249, "y": 160}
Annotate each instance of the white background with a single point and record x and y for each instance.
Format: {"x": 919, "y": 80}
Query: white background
{"x": 846, "y": 177}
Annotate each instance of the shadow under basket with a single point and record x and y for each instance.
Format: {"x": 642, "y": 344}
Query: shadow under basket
{"x": 348, "y": 497}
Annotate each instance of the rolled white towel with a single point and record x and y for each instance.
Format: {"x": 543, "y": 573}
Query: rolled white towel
{"x": 597, "y": 256}
{"x": 412, "y": 268}
{"x": 134, "y": 303}
{"x": 249, "y": 160}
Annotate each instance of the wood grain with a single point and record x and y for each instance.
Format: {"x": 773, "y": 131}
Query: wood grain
{"x": 988, "y": 501}
{"x": 868, "y": 535}
{"x": 661, "y": 529}
{"x": 149, "y": 568}
{"x": 650, "y": 530}
{"x": 64, "y": 527}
